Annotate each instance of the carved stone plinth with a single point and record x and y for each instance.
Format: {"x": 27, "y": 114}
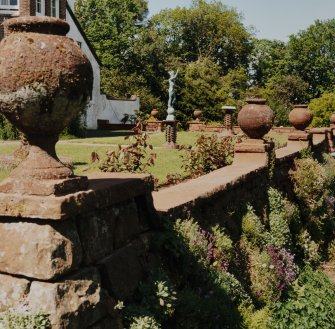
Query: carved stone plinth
{"x": 196, "y": 125}
{"x": 252, "y": 146}
{"x": 170, "y": 134}
{"x": 300, "y": 137}
{"x": 154, "y": 126}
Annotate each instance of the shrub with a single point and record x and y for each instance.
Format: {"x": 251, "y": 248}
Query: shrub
{"x": 310, "y": 304}
{"x": 322, "y": 108}
{"x": 208, "y": 153}
{"x": 7, "y": 130}
{"x": 309, "y": 179}
{"x": 144, "y": 322}
{"x": 310, "y": 248}
{"x": 253, "y": 230}
{"x": 283, "y": 214}
{"x": 12, "y": 320}
{"x": 130, "y": 158}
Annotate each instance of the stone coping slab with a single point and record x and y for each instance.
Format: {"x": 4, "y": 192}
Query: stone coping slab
{"x": 105, "y": 189}
{"x": 202, "y": 187}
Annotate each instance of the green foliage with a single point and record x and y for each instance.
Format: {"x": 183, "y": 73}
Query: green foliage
{"x": 144, "y": 322}
{"x": 311, "y": 55}
{"x": 258, "y": 319}
{"x": 322, "y": 108}
{"x": 253, "y": 230}
{"x": 206, "y": 29}
{"x": 309, "y": 179}
{"x": 130, "y": 158}
{"x": 7, "y": 130}
{"x": 282, "y": 215}
{"x": 11, "y": 320}
{"x": 200, "y": 89}
{"x": 310, "y": 249}
{"x": 267, "y": 60}
{"x": 282, "y": 92}
{"x": 310, "y": 305}
{"x": 111, "y": 26}
{"x": 208, "y": 153}
{"x": 155, "y": 301}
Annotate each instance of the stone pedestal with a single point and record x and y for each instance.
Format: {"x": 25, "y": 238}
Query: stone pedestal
{"x": 196, "y": 125}
{"x": 154, "y": 126}
{"x": 302, "y": 138}
{"x": 170, "y": 134}
{"x": 72, "y": 256}
{"x": 258, "y": 148}
{"x": 330, "y": 139}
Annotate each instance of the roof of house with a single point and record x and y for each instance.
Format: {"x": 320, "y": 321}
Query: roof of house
{"x": 91, "y": 48}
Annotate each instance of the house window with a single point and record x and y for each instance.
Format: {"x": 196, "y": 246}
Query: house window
{"x": 9, "y": 5}
{"x": 40, "y": 8}
{"x": 55, "y": 8}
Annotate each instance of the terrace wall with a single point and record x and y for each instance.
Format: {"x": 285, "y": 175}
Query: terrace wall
{"x": 73, "y": 257}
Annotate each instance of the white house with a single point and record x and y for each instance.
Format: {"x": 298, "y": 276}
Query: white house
{"x": 101, "y": 107}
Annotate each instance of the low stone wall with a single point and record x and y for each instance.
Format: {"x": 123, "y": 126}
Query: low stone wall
{"x": 221, "y": 197}
{"x": 72, "y": 257}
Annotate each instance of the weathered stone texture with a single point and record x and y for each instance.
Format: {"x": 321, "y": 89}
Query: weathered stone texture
{"x": 127, "y": 224}
{"x": 39, "y": 251}
{"x": 76, "y": 303}
{"x": 96, "y": 231}
{"x": 122, "y": 271}
{"x": 12, "y": 291}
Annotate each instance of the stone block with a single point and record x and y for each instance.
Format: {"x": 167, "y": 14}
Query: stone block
{"x": 96, "y": 231}
{"x": 123, "y": 270}
{"x": 40, "y": 251}
{"x": 12, "y": 291}
{"x": 127, "y": 224}
{"x": 75, "y": 303}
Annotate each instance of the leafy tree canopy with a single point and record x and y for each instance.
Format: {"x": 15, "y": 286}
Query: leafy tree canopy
{"x": 311, "y": 55}
{"x": 111, "y": 26}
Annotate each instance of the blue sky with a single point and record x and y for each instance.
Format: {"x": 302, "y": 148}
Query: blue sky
{"x": 272, "y": 19}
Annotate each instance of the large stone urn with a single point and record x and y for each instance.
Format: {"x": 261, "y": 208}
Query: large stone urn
{"x": 300, "y": 117}
{"x": 255, "y": 118}
{"x": 45, "y": 81}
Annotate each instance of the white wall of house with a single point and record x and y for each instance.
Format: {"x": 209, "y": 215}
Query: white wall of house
{"x": 100, "y": 107}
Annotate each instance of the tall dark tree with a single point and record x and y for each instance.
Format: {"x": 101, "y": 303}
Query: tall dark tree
{"x": 111, "y": 26}
{"x": 311, "y": 55}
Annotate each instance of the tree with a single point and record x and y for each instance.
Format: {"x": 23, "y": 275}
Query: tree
{"x": 311, "y": 55}
{"x": 267, "y": 60}
{"x": 322, "y": 108}
{"x": 205, "y": 30}
{"x": 111, "y": 26}
{"x": 198, "y": 88}
{"x": 282, "y": 92}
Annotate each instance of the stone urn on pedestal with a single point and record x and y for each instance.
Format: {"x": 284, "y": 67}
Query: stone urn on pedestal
{"x": 255, "y": 120}
{"x": 300, "y": 118}
{"x": 45, "y": 81}
{"x": 197, "y": 115}
{"x": 154, "y": 114}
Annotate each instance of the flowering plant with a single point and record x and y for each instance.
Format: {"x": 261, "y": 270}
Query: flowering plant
{"x": 282, "y": 262}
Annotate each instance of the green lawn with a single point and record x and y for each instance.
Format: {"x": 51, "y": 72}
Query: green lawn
{"x": 157, "y": 140}
{"x": 168, "y": 161}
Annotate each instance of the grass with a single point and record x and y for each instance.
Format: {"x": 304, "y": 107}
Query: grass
{"x": 157, "y": 140}
{"x": 168, "y": 161}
